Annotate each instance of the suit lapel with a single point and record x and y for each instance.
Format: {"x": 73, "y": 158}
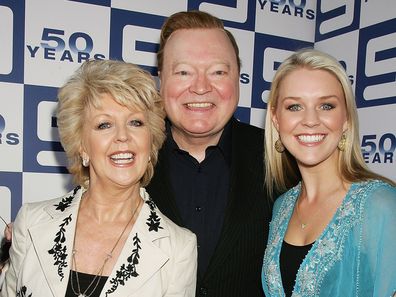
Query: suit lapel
{"x": 53, "y": 241}
{"x": 241, "y": 185}
{"x": 140, "y": 257}
{"x": 160, "y": 189}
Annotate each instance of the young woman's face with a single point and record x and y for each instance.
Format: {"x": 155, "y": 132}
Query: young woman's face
{"x": 311, "y": 115}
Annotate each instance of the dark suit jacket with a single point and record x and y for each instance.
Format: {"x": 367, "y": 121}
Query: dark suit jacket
{"x": 235, "y": 267}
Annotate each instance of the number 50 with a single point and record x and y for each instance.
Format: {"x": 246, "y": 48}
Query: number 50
{"x": 368, "y": 141}
{"x": 53, "y": 35}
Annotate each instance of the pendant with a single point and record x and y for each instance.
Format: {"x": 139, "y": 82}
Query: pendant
{"x": 81, "y": 295}
{"x": 303, "y": 225}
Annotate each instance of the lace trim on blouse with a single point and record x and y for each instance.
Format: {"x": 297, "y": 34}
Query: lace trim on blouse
{"x": 327, "y": 249}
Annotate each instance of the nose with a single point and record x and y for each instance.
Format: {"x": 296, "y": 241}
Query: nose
{"x": 311, "y": 118}
{"x": 122, "y": 133}
{"x": 201, "y": 84}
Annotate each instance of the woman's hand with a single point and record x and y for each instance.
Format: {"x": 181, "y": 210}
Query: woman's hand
{"x": 8, "y": 232}
{"x": 5, "y": 246}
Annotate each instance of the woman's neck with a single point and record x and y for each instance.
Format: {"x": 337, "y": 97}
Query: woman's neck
{"x": 104, "y": 206}
{"x": 322, "y": 182}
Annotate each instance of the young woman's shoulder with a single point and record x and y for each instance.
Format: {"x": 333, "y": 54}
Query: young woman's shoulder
{"x": 379, "y": 192}
{"x": 380, "y": 198}
{"x": 288, "y": 197}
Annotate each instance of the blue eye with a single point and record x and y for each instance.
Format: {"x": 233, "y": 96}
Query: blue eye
{"x": 136, "y": 123}
{"x": 294, "y": 107}
{"x": 327, "y": 106}
{"x": 104, "y": 125}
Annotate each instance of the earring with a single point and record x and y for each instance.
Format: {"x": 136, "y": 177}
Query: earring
{"x": 85, "y": 161}
{"x": 342, "y": 142}
{"x": 149, "y": 159}
{"x": 280, "y": 148}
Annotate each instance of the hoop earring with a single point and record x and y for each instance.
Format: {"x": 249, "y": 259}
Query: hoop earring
{"x": 280, "y": 148}
{"x": 342, "y": 142}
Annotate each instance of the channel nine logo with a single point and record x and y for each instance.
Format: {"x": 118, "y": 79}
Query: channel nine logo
{"x": 376, "y": 65}
{"x": 335, "y": 18}
{"x": 7, "y": 138}
{"x": 55, "y": 45}
{"x": 45, "y": 153}
{"x": 269, "y": 52}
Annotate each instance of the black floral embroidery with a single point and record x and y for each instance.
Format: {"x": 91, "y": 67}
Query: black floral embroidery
{"x": 66, "y": 201}
{"x": 59, "y": 250}
{"x": 129, "y": 270}
{"x": 154, "y": 220}
{"x": 22, "y": 292}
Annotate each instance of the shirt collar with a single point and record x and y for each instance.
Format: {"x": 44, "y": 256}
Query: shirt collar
{"x": 224, "y": 144}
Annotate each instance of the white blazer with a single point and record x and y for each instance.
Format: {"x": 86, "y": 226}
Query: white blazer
{"x": 159, "y": 258}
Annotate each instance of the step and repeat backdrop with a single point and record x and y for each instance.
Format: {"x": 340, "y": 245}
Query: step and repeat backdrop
{"x": 43, "y": 41}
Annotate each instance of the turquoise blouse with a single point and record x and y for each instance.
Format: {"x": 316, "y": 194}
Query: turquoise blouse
{"x": 354, "y": 256}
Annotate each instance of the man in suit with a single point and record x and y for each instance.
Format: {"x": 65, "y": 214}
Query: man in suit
{"x": 209, "y": 177}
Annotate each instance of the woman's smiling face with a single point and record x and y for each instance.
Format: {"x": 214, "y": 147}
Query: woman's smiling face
{"x": 117, "y": 141}
{"x": 310, "y": 115}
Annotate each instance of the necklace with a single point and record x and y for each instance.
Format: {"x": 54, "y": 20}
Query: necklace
{"x": 302, "y": 225}
{"x": 300, "y": 221}
{"x": 96, "y": 279}
{"x": 333, "y": 197}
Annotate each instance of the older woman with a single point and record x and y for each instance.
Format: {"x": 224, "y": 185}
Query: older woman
{"x": 105, "y": 237}
{"x": 333, "y": 232}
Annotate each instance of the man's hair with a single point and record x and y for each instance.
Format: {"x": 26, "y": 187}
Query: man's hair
{"x": 194, "y": 19}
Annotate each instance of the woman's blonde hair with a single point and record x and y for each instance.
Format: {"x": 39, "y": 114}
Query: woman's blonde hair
{"x": 129, "y": 86}
{"x": 281, "y": 168}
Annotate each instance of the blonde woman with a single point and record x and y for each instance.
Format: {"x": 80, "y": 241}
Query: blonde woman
{"x": 333, "y": 232}
{"x": 106, "y": 237}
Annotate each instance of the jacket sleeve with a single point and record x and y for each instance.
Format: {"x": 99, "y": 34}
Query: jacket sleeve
{"x": 380, "y": 240}
{"x": 184, "y": 273}
{"x": 267, "y": 259}
{"x": 17, "y": 253}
